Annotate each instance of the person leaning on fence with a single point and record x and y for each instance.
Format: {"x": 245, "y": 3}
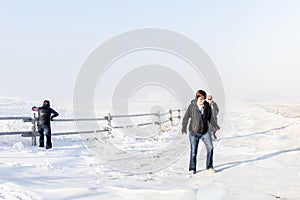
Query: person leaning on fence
{"x": 45, "y": 115}
{"x": 213, "y": 125}
{"x": 199, "y": 113}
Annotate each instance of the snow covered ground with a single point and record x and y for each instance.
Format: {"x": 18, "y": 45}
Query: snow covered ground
{"x": 257, "y": 156}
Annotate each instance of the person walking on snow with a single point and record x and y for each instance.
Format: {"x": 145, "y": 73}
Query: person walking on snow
{"x": 199, "y": 114}
{"x": 213, "y": 125}
{"x": 45, "y": 115}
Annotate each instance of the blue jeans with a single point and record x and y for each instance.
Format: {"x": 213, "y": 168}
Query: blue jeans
{"x": 194, "y": 141}
{"x": 45, "y": 129}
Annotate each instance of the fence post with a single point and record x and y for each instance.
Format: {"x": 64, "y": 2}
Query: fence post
{"x": 158, "y": 119}
{"x": 109, "y": 122}
{"x": 171, "y": 117}
{"x": 33, "y": 129}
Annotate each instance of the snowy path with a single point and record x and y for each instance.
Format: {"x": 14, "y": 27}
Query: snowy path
{"x": 257, "y": 157}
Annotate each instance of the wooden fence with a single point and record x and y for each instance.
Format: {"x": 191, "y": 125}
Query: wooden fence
{"x": 108, "y": 118}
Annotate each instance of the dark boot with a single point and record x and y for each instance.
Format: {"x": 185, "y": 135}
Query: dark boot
{"x": 49, "y": 145}
{"x": 214, "y": 136}
{"x": 41, "y": 142}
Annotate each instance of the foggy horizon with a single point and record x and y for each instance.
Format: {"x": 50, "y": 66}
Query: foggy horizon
{"x": 253, "y": 45}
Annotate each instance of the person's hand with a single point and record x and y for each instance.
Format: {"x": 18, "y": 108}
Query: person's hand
{"x": 183, "y": 133}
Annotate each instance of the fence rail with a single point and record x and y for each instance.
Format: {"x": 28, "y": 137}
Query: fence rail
{"x": 33, "y": 133}
{"x": 80, "y": 119}
{"x": 25, "y": 119}
{"x": 134, "y": 115}
{"x": 16, "y": 133}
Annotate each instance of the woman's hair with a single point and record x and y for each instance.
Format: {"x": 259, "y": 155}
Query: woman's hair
{"x": 200, "y": 93}
{"x": 46, "y": 103}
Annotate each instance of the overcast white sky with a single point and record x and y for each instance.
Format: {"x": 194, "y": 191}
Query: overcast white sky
{"x": 254, "y": 44}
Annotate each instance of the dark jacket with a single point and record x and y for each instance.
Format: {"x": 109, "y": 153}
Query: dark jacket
{"x": 215, "y": 110}
{"x": 214, "y": 118}
{"x": 199, "y": 123}
{"x": 44, "y": 115}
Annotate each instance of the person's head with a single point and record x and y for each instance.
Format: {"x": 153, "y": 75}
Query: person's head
{"x": 200, "y": 97}
{"x": 46, "y": 103}
{"x": 209, "y": 98}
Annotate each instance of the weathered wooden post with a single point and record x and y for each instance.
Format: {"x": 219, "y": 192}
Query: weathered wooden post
{"x": 171, "y": 117}
{"x": 33, "y": 129}
{"x": 109, "y": 122}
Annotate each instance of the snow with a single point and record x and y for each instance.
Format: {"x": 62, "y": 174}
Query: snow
{"x": 257, "y": 156}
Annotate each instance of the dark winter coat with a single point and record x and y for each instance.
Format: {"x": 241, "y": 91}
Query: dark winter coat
{"x": 198, "y": 123}
{"x": 44, "y": 115}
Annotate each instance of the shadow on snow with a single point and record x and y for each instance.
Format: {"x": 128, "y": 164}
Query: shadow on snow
{"x": 264, "y": 157}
